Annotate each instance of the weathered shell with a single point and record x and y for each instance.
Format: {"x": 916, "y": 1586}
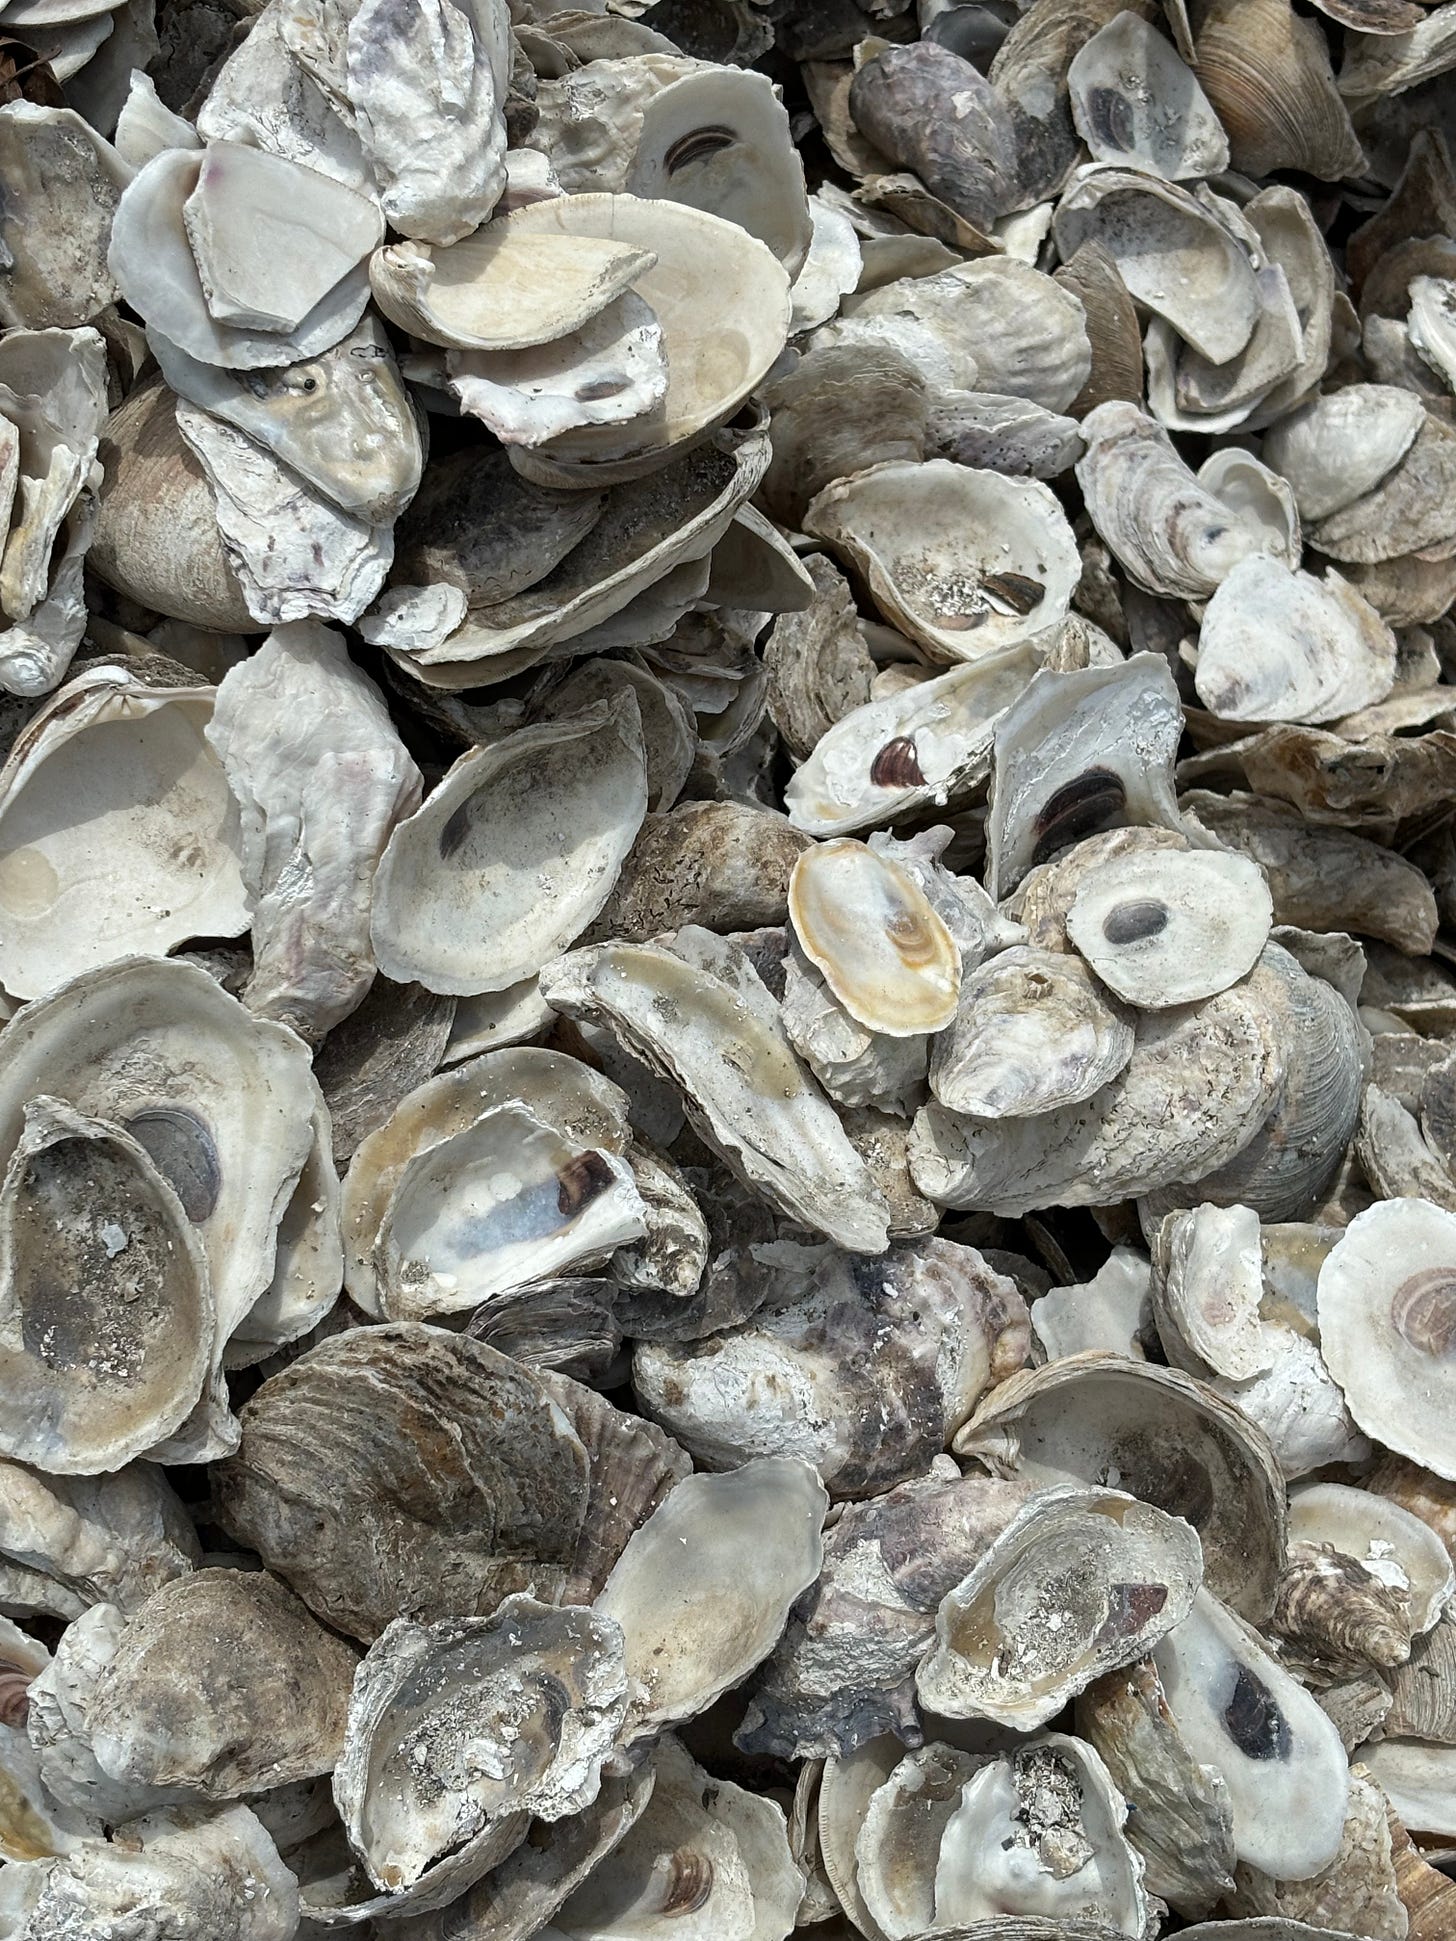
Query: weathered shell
{"x": 458, "y": 1727}
{"x": 1170, "y": 1440}
{"x": 874, "y": 935}
{"x": 322, "y": 778}
{"x": 964, "y": 561}
{"x": 1112, "y": 1311}
{"x": 1282, "y": 646}
{"x": 1385, "y": 1312}
{"x": 513, "y": 855}
{"x": 703, "y": 1589}
{"x": 1392, "y": 1544}
{"x": 1359, "y": 1885}
{"x": 1171, "y": 927}
{"x": 223, "y": 1104}
{"x": 925, "y": 744}
{"x": 1114, "y": 1573}
{"x": 608, "y": 371}
{"x": 109, "y": 1354}
{"x": 1171, "y": 250}
{"x": 888, "y": 1561}
{"x": 1340, "y": 446}
{"x": 899, "y": 99}
{"x": 867, "y": 1373}
{"x": 1267, "y": 72}
{"x": 1078, "y": 752}
{"x": 190, "y": 1695}
{"x": 106, "y": 853}
{"x": 1170, "y": 534}
{"x": 706, "y": 1860}
{"x": 1134, "y": 100}
{"x": 1207, "y": 1283}
{"x": 69, "y": 1542}
{"x": 1416, "y": 1778}
{"x": 675, "y": 1007}
{"x": 1032, "y": 1032}
{"x": 1409, "y": 511}
{"x": 458, "y": 1478}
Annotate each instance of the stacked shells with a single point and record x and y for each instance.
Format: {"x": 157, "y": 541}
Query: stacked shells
{"x": 728, "y": 1069}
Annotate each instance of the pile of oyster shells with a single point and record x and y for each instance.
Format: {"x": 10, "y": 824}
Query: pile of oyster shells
{"x": 728, "y": 1083}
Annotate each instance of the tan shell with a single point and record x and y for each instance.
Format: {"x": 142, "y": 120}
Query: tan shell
{"x": 868, "y": 926}
{"x": 1268, "y": 74}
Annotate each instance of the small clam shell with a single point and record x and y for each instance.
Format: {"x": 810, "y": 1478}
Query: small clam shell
{"x": 1171, "y": 927}
{"x": 1032, "y": 1032}
{"x": 1116, "y": 1573}
{"x": 884, "y": 952}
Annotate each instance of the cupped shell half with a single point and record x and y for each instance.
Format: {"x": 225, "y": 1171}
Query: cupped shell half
{"x": 1169, "y": 1440}
{"x": 1387, "y": 1320}
{"x": 1080, "y": 1583}
{"x": 871, "y": 930}
{"x": 458, "y": 1728}
{"x": 703, "y": 1589}
{"x": 106, "y": 1309}
{"x": 513, "y": 855}
{"x": 677, "y": 1005}
{"x": 964, "y": 561}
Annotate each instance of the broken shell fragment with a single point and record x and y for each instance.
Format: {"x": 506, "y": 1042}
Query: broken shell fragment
{"x": 1134, "y": 100}
{"x": 1171, "y": 927}
{"x": 1115, "y": 1574}
{"x": 1394, "y": 1546}
{"x": 869, "y": 928}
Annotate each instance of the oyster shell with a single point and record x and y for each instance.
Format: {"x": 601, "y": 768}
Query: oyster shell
{"x": 1340, "y": 446}
{"x": 459, "y": 1479}
{"x": 1171, "y": 927}
{"x": 1115, "y": 1574}
{"x": 1170, "y": 1440}
{"x": 513, "y": 855}
{"x": 1383, "y": 1307}
{"x": 869, "y": 928}
{"x": 908, "y": 528}
{"x": 867, "y": 1373}
{"x": 966, "y": 158}
{"x": 110, "y": 1354}
{"x": 1077, "y": 752}
{"x": 1134, "y": 100}
{"x": 733, "y": 1553}
{"x": 1033, "y": 1032}
{"x": 459, "y": 1728}
{"x": 674, "y": 1006}
{"x": 67, "y": 1542}
{"x": 1282, "y": 646}
{"x": 318, "y": 809}
{"x": 117, "y": 830}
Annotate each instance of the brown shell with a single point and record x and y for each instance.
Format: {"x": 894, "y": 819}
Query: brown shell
{"x": 1268, "y": 75}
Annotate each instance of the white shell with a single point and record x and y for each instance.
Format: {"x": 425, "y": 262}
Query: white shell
{"x": 321, "y": 778}
{"x": 117, "y": 831}
{"x": 1171, "y": 926}
{"x": 1280, "y": 1755}
{"x": 703, "y": 1589}
{"x": 1340, "y": 446}
{"x": 1078, "y": 752}
{"x": 612, "y": 369}
{"x": 1387, "y": 1308}
{"x": 676, "y": 1006}
{"x": 202, "y": 257}
{"x": 964, "y": 561}
{"x": 513, "y": 854}
{"x": 1395, "y": 1546}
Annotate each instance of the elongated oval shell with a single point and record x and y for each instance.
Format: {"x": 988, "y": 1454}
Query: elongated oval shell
{"x": 884, "y": 952}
